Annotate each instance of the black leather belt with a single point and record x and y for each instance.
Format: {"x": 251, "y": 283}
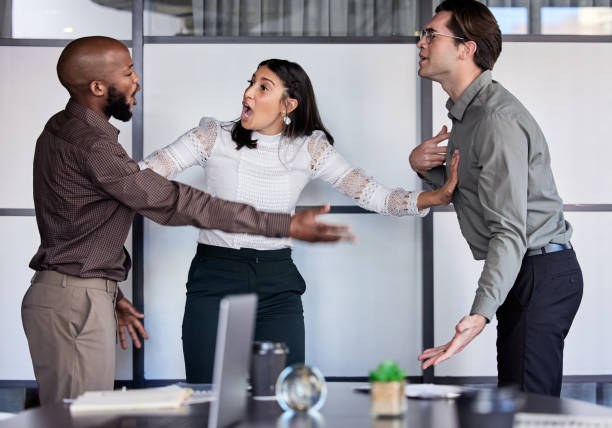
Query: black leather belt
{"x": 548, "y": 248}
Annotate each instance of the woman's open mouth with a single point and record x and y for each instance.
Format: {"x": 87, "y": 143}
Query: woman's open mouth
{"x": 246, "y": 112}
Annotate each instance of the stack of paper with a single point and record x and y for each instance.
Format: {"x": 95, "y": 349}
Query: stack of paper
{"x": 167, "y": 397}
{"x": 541, "y": 420}
{"x": 430, "y": 390}
{"x": 425, "y": 390}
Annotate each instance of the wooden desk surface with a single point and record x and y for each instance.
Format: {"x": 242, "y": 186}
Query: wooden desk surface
{"x": 343, "y": 409}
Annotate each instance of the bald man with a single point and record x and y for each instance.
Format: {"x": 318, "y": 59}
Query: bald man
{"x": 86, "y": 191}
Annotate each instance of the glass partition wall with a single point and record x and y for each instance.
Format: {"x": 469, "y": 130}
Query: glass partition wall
{"x": 407, "y": 281}
{"x": 280, "y": 18}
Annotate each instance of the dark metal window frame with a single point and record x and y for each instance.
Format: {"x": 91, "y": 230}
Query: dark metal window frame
{"x": 425, "y": 97}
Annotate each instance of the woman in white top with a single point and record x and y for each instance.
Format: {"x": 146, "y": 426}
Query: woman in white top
{"x": 265, "y": 159}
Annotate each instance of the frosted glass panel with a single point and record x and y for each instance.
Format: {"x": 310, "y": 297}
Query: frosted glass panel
{"x": 22, "y": 234}
{"x": 587, "y": 352}
{"x": 369, "y": 106}
{"x": 573, "y": 111}
{"x": 588, "y": 349}
{"x": 21, "y": 240}
{"x": 456, "y": 276}
{"x": 28, "y": 73}
{"x": 362, "y": 300}
{"x": 167, "y": 255}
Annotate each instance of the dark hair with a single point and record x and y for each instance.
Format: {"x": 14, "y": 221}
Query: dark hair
{"x": 473, "y": 21}
{"x": 304, "y": 119}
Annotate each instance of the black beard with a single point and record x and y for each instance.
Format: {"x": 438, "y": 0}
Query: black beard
{"x": 117, "y": 105}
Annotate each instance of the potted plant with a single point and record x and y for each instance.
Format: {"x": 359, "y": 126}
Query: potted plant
{"x": 388, "y": 383}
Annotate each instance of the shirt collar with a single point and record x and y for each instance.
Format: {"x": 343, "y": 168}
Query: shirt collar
{"x": 266, "y": 139}
{"x": 91, "y": 118}
{"x": 457, "y": 110}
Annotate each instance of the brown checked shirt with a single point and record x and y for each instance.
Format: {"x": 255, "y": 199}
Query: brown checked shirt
{"x": 87, "y": 190}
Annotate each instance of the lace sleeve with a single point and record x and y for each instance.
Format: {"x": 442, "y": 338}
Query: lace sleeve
{"x": 329, "y": 165}
{"x": 191, "y": 148}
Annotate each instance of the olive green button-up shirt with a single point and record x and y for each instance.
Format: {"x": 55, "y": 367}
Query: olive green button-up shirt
{"x": 506, "y": 200}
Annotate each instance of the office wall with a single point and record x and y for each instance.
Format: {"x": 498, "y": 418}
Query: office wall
{"x": 566, "y": 87}
{"x": 372, "y": 288}
{"x": 368, "y": 97}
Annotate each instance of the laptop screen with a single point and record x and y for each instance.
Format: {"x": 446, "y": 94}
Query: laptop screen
{"x": 232, "y": 358}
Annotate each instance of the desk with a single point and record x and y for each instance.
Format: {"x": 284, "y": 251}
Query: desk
{"x": 343, "y": 409}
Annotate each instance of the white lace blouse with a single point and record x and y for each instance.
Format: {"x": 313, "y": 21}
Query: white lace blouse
{"x": 271, "y": 177}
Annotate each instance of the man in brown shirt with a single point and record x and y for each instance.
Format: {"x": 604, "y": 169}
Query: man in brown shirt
{"x": 86, "y": 192}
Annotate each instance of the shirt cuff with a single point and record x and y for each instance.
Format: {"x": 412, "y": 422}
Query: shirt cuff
{"x": 484, "y": 306}
{"x": 278, "y": 225}
{"x": 413, "y": 203}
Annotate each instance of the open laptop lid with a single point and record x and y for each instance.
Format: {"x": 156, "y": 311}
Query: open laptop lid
{"x": 232, "y": 358}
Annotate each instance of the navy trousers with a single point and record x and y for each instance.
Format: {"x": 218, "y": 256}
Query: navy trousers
{"x": 217, "y": 272}
{"x": 534, "y": 321}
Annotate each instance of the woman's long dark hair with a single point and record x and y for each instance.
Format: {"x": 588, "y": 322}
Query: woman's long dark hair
{"x": 304, "y": 119}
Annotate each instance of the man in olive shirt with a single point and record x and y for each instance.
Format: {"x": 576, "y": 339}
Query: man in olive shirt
{"x": 507, "y": 204}
{"x": 86, "y": 192}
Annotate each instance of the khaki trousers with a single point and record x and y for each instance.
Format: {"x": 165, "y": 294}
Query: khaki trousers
{"x": 71, "y": 329}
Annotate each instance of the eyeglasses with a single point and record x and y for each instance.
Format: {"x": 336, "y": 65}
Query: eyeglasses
{"x": 429, "y": 34}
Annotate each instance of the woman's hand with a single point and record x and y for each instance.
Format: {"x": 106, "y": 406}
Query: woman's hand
{"x": 443, "y": 195}
{"x": 446, "y": 192}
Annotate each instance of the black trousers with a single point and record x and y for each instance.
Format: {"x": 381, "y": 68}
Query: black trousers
{"x": 217, "y": 272}
{"x": 534, "y": 321}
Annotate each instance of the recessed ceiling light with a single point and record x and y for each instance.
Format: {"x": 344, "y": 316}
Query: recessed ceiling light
{"x": 68, "y": 30}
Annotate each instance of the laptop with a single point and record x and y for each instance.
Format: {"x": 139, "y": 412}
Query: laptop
{"x": 232, "y": 358}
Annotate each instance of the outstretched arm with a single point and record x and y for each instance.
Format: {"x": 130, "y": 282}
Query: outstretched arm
{"x": 330, "y": 166}
{"x": 195, "y": 147}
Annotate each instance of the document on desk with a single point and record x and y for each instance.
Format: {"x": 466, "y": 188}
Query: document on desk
{"x": 430, "y": 390}
{"x": 425, "y": 390}
{"x": 542, "y": 420}
{"x": 167, "y": 397}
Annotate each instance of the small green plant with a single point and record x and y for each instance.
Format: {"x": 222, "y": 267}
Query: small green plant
{"x": 387, "y": 371}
